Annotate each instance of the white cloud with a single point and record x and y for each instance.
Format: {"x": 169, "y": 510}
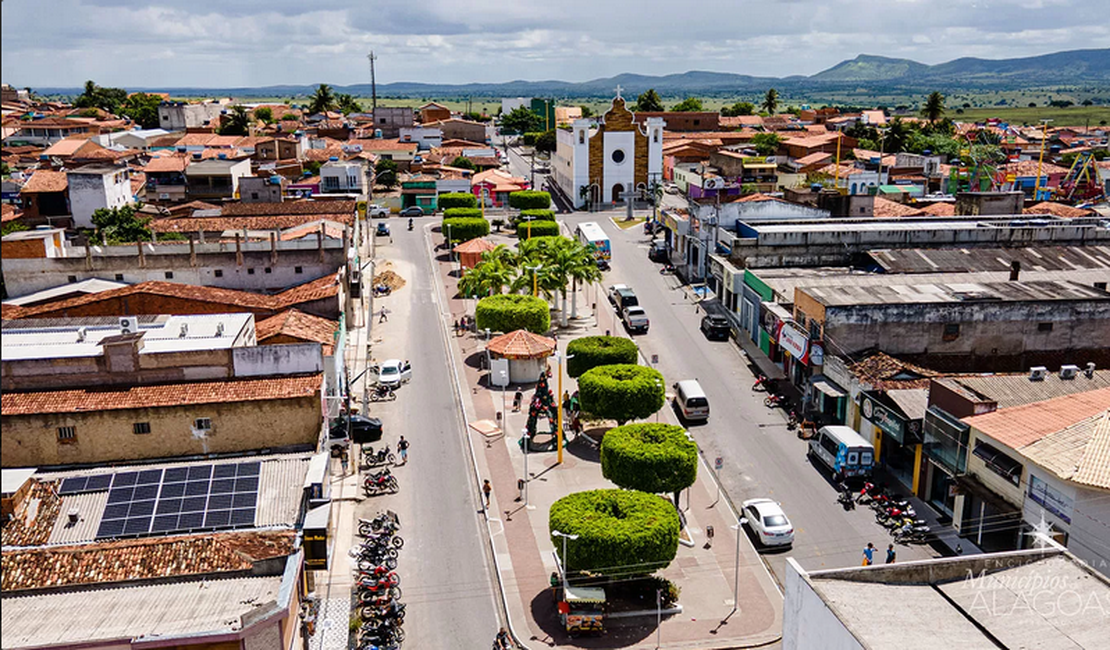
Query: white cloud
{"x": 262, "y": 42}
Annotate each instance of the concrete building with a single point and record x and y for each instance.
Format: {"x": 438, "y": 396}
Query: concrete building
{"x": 48, "y": 130}
{"x": 389, "y": 120}
{"x": 97, "y": 186}
{"x": 601, "y": 164}
{"x": 1042, "y": 597}
{"x": 178, "y": 116}
{"x": 460, "y": 129}
{"x": 165, "y": 179}
{"x": 346, "y": 177}
{"x": 510, "y": 104}
{"x": 134, "y": 139}
{"x": 691, "y": 121}
{"x": 215, "y": 178}
{"x": 426, "y": 137}
{"x": 262, "y": 189}
{"x": 434, "y": 112}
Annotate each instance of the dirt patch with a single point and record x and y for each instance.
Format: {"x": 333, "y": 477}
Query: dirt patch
{"x": 389, "y": 279}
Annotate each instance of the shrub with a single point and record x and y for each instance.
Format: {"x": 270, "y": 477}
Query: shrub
{"x": 621, "y": 392}
{"x": 457, "y": 200}
{"x": 537, "y": 215}
{"x": 528, "y": 229}
{"x": 530, "y": 138}
{"x": 511, "y": 312}
{"x": 462, "y": 229}
{"x": 462, "y": 213}
{"x": 593, "y": 351}
{"x": 530, "y": 200}
{"x": 650, "y": 457}
{"x": 620, "y": 532}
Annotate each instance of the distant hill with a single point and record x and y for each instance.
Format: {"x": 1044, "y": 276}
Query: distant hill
{"x": 1086, "y": 67}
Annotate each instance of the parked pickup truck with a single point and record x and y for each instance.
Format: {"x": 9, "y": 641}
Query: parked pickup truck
{"x": 635, "y": 319}
{"x": 376, "y": 211}
{"x": 621, "y": 295}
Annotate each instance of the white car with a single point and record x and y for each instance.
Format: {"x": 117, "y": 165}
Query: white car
{"x": 768, "y": 522}
{"x": 394, "y": 372}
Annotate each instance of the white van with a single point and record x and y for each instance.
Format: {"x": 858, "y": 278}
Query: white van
{"x": 691, "y": 400}
{"x": 843, "y": 451}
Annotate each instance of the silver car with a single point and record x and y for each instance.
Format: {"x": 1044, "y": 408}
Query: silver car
{"x": 767, "y": 520}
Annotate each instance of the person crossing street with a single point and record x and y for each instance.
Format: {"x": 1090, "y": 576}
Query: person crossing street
{"x": 403, "y": 447}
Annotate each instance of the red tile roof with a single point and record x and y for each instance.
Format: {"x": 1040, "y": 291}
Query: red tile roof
{"x": 884, "y": 372}
{"x": 940, "y": 210}
{"x": 34, "y": 518}
{"x": 1058, "y": 209}
{"x": 217, "y": 224}
{"x": 1024, "y": 168}
{"x": 109, "y": 398}
{"x": 1018, "y": 426}
{"x": 158, "y": 557}
{"x": 9, "y": 212}
{"x": 522, "y": 344}
{"x": 174, "y": 163}
{"x": 888, "y": 208}
{"x": 323, "y": 207}
{"x": 296, "y": 324}
{"x": 46, "y": 180}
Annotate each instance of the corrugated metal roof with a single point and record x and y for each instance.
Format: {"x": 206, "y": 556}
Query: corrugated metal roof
{"x": 960, "y": 260}
{"x": 912, "y": 401}
{"x": 280, "y": 490}
{"x": 89, "y": 507}
{"x": 163, "y": 610}
{"x": 1019, "y": 426}
{"x": 1018, "y": 389}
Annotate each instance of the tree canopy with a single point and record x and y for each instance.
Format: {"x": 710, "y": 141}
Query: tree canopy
{"x": 521, "y": 120}
{"x": 237, "y": 121}
{"x": 142, "y": 109}
{"x": 771, "y": 102}
{"x": 347, "y": 104}
{"x": 933, "y": 109}
{"x": 648, "y": 456}
{"x": 462, "y": 162}
{"x": 588, "y": 352}
{"x": 511, "y": 312}
{"x": 322, "y": 99}
{"x": 385, "y": 172}
{"x": 94, "y": 96}
{"x": 649, "y": 101}
{"x": 737, "y": 109}
{"x": 621, "y": 392}
{"x": 766, "y": 143}
{"x": 688, "y": 105}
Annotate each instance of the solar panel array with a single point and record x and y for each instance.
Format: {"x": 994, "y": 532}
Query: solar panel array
{"x": 81, "y": 484}
{"x": 180, "y": 499}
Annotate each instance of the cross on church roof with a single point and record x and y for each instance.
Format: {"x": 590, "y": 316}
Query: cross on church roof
{"x": 618, "y": 91}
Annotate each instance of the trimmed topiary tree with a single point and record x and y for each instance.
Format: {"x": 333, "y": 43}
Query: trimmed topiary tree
{"x": 537, "y": 215}
{"x": 462, "y": 213}
{"x": 650, "y": 457}
{"x": 592, "y": 351}
{"x": 529, "y": 229}
{"x": 511, "y": 312}
{"x": 621, "y": 392}
{"x": 530, "y": 200}
{"x": 620, "y": 532}
{"x": 457, "y": 200}
{"x": 465, "y": 229}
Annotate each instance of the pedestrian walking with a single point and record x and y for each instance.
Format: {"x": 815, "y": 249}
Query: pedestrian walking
{"x": 486, "y": 490}
{"x": 383, "y": 316}
{"x": 869, "y": 554}
{"x": 708, "y": 537}
{"x": 403, "y": 447}
{"x": 518, "y": 397}
{"x": 891, "y": 555}
{"x": 344, "y": 461}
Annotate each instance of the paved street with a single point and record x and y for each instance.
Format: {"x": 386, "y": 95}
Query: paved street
{"x": 762, "y": 458}
{"x": 445, "y": 574}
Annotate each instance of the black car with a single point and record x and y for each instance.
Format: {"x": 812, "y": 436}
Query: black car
{"x": 363, "y": 429}
{"x": 658, "y": 252}
{"x": 716, "y": 327}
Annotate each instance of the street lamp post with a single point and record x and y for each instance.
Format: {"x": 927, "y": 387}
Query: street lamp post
{"x": 739, "y": 528}
{"x": 565, "y": 537}
{"x": 504, "y": 387}
{"x": 535, "y": 279}
{"x": 559, "y": 425}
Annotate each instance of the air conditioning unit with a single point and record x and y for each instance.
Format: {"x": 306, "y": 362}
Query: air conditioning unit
{"x": 82, "y": 334}
{"x": 1038, "y": 373}
{"x": 128, "y": 325}
{"x": 1090, "y": 371}
{"x": 1068, "y": 371}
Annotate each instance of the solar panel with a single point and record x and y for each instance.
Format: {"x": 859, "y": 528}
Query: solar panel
{"x": 164, "y": 524}
{"x": 110, "y": 528}
{"x": 175, "y": 474}
{"x": 137, "y": 526}
{"x": 222, "y": 486}
{"x": 98, "y": 483}
{"x": 194, "y": 504}
{"x": 190, "y": 521}
{"x": 224, "y": 471}
{"x": 125, "y": 478}
{"x": 116, "y": 511}
{"x": 249, "y": 469}
{"x": 198, "y": 472}
{"x": 171, "y": 490}
{"x": 141, "y": 508}
{"x": 217, "y": 518}
{"x": 219, "y": 501}
{"x": 120, "y": 495}
{"x": 242, "y": 517}
{"x": 248, "y": 484}
{"x": 194, "y": 488}
{"x": 148, "y": 476}
{"x": 73, "y": 485}
{"x": 144, "y": 492}
{"x": 169, "y": 507}
{"x": 244, "y": 500}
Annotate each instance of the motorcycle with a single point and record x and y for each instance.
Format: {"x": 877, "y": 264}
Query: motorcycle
{"x": 373, "y": 486}
{"x": 762, "y": 381}
{"x": 382, "y": 394}
{"x": 845, "y": 498}
{"x": 792, "y": 420}
{"x": 384, "y": 522}
{"x": 373, "y": 458}
{"x": 410, "y": 223}
{"x": 667, "y": 269}
{"x": 773, "y": 401}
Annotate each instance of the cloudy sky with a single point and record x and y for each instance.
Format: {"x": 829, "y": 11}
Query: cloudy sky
{"x": 227, "y": 43}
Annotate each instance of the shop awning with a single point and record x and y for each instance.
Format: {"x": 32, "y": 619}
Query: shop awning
{"x": 828, "y": 388}
{"x": 585, "y": 595}
{"x": 998, "y": 461}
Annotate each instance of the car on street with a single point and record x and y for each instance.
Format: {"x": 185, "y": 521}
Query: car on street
{"x": 635, "y": 319}
{"x": 413, "y": 211}
{"x": 716, "y": 327}
{"x": 672, "y": 189}
{"x": 362, "y": 428}
{"x": 377, "y": 211}
{"x": 621, "y": 296}
{"x": 769, "y": 523}
{"x": 394, "y": 372}
{"x": 382, "y": 229}
{"x": 658, "y": 252}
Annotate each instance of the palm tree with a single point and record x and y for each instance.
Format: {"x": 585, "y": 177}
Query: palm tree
{"x": 934, "y": 107}
{"x": 582, "y": 269}
{"x": 322, "y": 100}
{"x": 347, "y": 104}
{"x": 238, "y": 122}
{"x": 488, "y": 277}
{"x": 771, "y": 101}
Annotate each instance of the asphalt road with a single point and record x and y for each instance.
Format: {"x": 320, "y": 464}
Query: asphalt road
{"x": 445, "y": 575}
{"x": 761, "y": 457}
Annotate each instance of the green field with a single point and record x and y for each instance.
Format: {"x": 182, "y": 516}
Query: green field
{"x": 1071, "y": 116}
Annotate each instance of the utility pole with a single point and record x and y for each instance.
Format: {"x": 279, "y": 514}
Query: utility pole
{"x": 373, "y": 86}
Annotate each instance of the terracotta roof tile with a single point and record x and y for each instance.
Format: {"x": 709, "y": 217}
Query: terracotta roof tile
{"x": 939, "y": 210}
{"x": 1057, "y": 209}
{"x": 174, "y": 163}
{"x": 65, "y": 147}
{"x": 158, "y": 395}
{"x": 1018, "y": 426}
{"x": 323, "y": 207}
{"x": 295, "y": 324}
{"x": 9, "y": 212}
{"x": 33, "y": 520}
{"x": 884, "y": 372}
{"x": 521, "y": 344}
{"x": 1094, "y": 467}
{"x": 1023, "y": 168}
{"x": 888, "y": 208}
{"x": 46, "y": 180}
{"x": 477, "y": 245}
{"x": 215, "y": 224}
{"x": 141, "y": 559}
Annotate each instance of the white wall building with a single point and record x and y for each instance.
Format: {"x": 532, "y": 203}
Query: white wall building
{"x": 94, "y": 187}
{"x": 178, "y": 116}
{"x": 344, "y": 177}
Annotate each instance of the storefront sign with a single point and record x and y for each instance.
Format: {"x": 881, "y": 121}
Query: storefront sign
{"x": 882, "y": 417}
{"x": 816, "y": 355}
{"x": 1052, "y": 500}
{"x": 794, "y": 341}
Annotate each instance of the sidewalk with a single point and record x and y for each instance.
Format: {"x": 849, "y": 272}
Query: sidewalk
{"x": 524, "y": 552}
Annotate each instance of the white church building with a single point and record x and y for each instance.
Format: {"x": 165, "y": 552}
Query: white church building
{"x": 601, "y": 163}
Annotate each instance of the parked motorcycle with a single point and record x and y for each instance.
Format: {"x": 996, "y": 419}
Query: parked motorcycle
{"x": 773, "y": 401}
{"x": 382, "y": 394}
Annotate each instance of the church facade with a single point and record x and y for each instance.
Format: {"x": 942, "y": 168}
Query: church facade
{"x": 601, "y": 164}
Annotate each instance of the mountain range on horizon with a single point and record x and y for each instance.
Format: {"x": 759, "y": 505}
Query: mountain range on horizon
{"x": 1087, "y": 67}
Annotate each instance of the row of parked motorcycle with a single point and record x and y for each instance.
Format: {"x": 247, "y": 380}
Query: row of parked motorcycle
{"x": 379, "y": 585}
{"x": 892, "y": 511}
{"x": 382, "y": 481}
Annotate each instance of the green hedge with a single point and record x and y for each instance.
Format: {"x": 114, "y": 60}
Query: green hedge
{"x": 530, "y": 200}
{"x": 511, "y": 312}
{"x": 649, "y": 457}
{"x": 529, "y": 229}
{"x": 462, "y": 213}
{"x": 537, "y": 215}
{"x": 593, "y": 351}
{"x": 457, "y": 200}
{"x": 621, "y": 392}
{"x": 465, "y": 229}
{"x": 530, "y": 137}
{"x": 620, "y": 532}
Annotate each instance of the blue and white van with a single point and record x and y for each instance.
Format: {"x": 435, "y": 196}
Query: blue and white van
{"x": 843, "y": 451}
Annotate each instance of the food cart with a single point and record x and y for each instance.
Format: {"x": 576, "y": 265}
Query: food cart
{"x": 583, "y": 609}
